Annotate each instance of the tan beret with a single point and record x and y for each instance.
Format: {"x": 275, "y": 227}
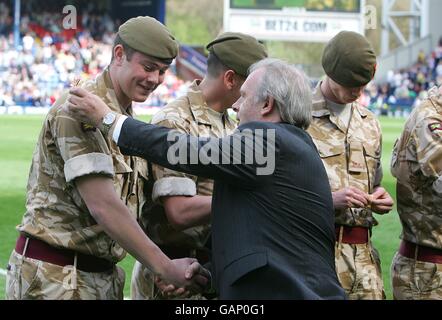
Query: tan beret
{"x": 349, "y": 60}
{"x": 149, "y": 36}
{"x": 237, "y": 51}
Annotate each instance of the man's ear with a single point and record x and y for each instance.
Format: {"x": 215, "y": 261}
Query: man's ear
{"x": 229, "y": 79}
{"x": 119, "y": 55}
{"x": 268, "y": 107}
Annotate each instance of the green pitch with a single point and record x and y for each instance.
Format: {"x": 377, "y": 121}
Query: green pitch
{"x": 19, "y": 134}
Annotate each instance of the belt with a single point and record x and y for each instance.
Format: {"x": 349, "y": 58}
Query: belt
{"x": 40, "y": 250}
{"x": 426, "y": 254}
{"x": 352, "y": 235}
{"x": 203, "y": 256}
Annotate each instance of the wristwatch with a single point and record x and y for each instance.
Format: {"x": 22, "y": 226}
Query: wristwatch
{"x": 107, "y": 122}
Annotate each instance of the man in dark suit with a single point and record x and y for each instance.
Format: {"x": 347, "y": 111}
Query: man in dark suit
{"x": 273, "y": 222}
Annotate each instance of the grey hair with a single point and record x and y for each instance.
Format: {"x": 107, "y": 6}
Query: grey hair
{"x": 290, "y": 89}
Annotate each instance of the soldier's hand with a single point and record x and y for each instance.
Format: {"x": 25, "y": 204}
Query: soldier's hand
{"x": 86, "y": 106}
{"x": 195, "y": 272}
{"x": 170, "y": 291}
{"x": 382, "y": 202}
{"x": 182, "y": 274}
{"x": 350, "y": 198}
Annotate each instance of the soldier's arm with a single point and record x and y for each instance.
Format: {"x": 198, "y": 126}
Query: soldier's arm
{"x": 109, "y": 211}
{"x": 186, "y": 212}
{"x": 88, "y": 166}
{"x": 428, "y": 138}
{"x": 177, "y": 191}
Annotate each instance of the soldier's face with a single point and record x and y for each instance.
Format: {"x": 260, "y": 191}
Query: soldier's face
{"x": 345, "y": 95}
{"x": 140, "y": 76}
{"x": 247, "y": 107}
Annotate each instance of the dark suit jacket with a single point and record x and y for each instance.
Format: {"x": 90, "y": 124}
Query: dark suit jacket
{"x": 272, "y": 235}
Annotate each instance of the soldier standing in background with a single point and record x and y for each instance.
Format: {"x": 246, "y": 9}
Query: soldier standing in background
{"x": 348, "y": 138}
{"x": 77, "y": 224}
{"x": 416, "y": 270}
{"x": 178, "y": 220}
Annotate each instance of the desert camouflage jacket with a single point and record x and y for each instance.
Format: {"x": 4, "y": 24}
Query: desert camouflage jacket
{"x": 66, "y": 150}
{"x": 351, "y": 154}
{"x": 417, "y": 165}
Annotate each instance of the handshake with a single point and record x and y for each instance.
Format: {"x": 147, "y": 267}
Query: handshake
{"x": 183, "y": 278}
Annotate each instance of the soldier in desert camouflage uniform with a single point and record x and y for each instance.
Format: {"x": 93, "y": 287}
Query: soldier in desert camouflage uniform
{"x": 178, "y": 220}
{"x": 80, "y": 187}
{"x": 417, "y": 164}
{"x": 348, "y": 138}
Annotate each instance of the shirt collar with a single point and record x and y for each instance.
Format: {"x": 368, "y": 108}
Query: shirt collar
{"x": 320, "y": 109}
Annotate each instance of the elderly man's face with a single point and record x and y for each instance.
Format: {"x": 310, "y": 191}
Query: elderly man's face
{"x": 247, "y": 107}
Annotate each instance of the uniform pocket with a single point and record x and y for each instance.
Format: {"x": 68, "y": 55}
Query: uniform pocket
{"x": 21, "y": 277}
{"x": 333, "y": 157}
{"x": 426, "y": 276}
{"x": 372, "y": 159}
{"x": 120, "y": 166}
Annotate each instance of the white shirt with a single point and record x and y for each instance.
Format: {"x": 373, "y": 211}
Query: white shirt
{"x": 117, "y": 130}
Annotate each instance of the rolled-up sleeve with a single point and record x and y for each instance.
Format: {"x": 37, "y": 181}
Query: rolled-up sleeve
{"x": 173, "y": 186}
{"x": 169, "y": 182}
{"x": 92, "y": 163}
{"x": 83, "y": 148}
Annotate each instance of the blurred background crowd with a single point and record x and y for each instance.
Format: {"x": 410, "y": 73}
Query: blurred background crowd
{"x": 50, "y": 58}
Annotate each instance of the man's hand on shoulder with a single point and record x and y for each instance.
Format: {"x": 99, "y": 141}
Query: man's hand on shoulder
{"x": 86, "y": 106}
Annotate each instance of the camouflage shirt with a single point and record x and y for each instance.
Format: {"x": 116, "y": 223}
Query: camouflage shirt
{"x": 188, "y": 114}
{"x": 66, "y": 150}
{"x": 350, "y": 153}
{"x": 417, "y": 165}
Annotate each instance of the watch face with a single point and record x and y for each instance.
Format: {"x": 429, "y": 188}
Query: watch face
{"x": 109, "y": 118}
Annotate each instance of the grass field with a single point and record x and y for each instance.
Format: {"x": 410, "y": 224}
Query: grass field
{"x": 18, "y": 135}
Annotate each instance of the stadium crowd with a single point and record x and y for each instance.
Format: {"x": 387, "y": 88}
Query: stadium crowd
{"x": 51, "y": 58}
{"x": 405, "y": 89}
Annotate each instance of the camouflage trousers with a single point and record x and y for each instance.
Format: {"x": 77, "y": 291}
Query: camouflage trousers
{"x": 28, "y": 278}
{"x": 359, "y": 271}
{"x": 143, "y": 285}
{"x": 415, "y": 280}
